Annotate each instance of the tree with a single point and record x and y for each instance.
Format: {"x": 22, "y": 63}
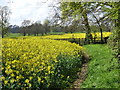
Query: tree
{"x": 4, "y": 17}
{"x": 114, "y": 40}
{"x": 14, "y": 28}
{"x": 25, "y": 25}
{"x": 46, "y": 26}
{"x": 36, "y": 28}
{"x": 77, "y": 10}
{"x": 41, "y": 29}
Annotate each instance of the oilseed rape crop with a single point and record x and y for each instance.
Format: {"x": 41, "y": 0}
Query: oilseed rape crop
{"x": 39, "y": 63}
{"x": 77, "y": 35}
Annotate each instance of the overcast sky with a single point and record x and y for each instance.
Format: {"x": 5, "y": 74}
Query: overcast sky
{"x": 33, "y": 10}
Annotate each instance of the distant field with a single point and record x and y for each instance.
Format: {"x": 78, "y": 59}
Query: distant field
{"x": 62, "y": 35}
{"x": 19, "y": 34}
{"x": 13, "y": 35}
{"x": 77, "y": 35}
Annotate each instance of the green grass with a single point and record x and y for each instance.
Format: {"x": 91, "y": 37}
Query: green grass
{"x": 13, "y": 35}
{"x": 56, "y": 33}
{"x": 102, "y": 69}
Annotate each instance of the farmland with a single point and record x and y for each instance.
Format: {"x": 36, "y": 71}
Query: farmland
{"x": 50, "y": 63}
{"x": 76, "y": 35}
{"x": 59, "y": 45}
{"x": 38, "y": 62}
{"x": 64, "y": 36}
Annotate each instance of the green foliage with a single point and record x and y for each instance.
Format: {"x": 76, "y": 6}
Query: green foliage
{"x": 112, "y": 9}
{"x": 103, "y": 69}
{"x": 114, "y": 43}
{"x": 65, "y": 71}
{"x": 4, "y": 17}
{"x": 77, "y": 10}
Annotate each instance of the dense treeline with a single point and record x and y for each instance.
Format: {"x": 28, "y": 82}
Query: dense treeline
{"x": 38, "y": 29}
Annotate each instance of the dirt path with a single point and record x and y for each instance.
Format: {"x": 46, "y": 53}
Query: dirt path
{"x": 81, "y": 76}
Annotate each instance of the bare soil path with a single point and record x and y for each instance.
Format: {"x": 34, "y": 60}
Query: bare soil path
{"x": 81, "y": 76}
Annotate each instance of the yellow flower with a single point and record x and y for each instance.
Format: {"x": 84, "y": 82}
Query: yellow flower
{"x": 32, "y": 69}
{"x": 26, "y": 81}
{"x": 42, "y": 81}
{"x": 34, "y": 74}
{"x": 5, "y": 82}
{"x": 8, "y": 66}
{"x": 3, "y": 78}
{"x": 22, "y": 69}
{"x": 52, "y": 71}
{"x": 21, "y": 76}
{"x": 14, "y": 61}
{"x": 48, "y": 72}
{"x": 12, "y": 80}
{"x": 30, "y": 78}
{"x": 8, "y": 71}
{"x": 13, "y": 65}
{"x": 17, "y": 72}
{"x": 39, "y": 79}
{"x": 12, "y": 75}
{"x": 30, "y": 85}
{"x": 48, "y": 68}
{"x": 68, "y": 76}
{"x": 18, "y": 77}
{"x": 19, "y": 83}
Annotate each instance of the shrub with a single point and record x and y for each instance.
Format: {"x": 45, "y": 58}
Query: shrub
{"x": 114, "y": 43}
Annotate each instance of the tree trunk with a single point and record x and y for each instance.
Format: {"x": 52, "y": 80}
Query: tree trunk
{"x": 87, "y": 27}
{"x": 101, "y": 34}
{"x": 2, "y": 35}
{"x": 2, "y": 32}
{"x": 99, "y": 28}
{"x": 2, "y": 27}
{"x": 24, "y": 34}
{"x": 88, "y": 31}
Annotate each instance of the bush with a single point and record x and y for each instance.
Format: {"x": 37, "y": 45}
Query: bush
{"x": 114, "y": 43}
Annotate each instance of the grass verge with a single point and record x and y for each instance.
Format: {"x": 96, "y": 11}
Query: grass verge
{"x": 103, "y": 69}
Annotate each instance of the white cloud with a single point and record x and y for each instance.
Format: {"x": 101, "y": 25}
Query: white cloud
{"x": 3, "y": 2}
{"x": 27, "y": 10}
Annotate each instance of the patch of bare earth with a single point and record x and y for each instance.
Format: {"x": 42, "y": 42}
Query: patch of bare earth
{"x": 81, "y": 76}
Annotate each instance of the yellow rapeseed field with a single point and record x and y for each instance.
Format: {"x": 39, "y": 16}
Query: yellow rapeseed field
{"x": 33, "y": 62}
{"x": 76, "y": 35}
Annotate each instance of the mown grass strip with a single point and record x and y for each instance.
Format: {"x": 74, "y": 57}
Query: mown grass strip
{"x": 103, "y": 69}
